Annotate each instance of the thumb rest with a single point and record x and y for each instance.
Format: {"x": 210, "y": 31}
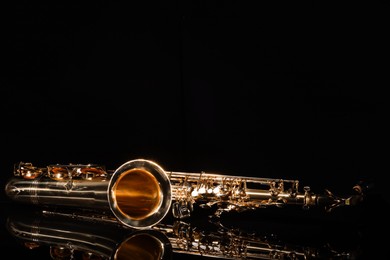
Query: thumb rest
{"x": 140, "y": 193}
{"x": 73, "y": 235}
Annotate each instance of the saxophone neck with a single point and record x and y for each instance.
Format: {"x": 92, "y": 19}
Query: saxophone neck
{"x": 330, "y": 201}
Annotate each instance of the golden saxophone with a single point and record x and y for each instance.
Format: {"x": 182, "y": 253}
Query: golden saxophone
{"x": 140, "y": 192}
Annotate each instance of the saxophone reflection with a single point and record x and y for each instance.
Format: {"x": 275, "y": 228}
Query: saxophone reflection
{"x": 70, "y": 236}
{"x": 233, "y": 243}
{"x": 76, "y": 236}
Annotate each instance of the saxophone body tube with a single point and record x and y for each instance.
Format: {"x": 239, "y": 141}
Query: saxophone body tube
{"x": 138, "y": 193}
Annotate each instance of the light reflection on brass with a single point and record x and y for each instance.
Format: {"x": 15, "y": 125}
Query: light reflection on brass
{"x": 73, "y": 235}
{"x": 140, "y": 193}
{"x": 140, "y": 247}
{"x": 137, "y": 193}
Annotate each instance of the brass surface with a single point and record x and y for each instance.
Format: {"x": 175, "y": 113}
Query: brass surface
{"x": 137, "y": 194}
{"x": 140, "y": 247}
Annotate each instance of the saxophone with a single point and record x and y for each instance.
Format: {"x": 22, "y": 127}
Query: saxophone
{"x": 140, "y": 193}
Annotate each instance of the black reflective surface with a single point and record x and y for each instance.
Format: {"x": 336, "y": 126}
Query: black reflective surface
{"x": 289, "y": 233}
{"x": 279, "y": 90}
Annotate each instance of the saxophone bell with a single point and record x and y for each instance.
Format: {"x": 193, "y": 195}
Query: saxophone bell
{"x": 138, "y": 193}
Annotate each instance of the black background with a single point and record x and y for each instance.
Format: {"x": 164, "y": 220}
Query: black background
{"x": 278, "y": 90}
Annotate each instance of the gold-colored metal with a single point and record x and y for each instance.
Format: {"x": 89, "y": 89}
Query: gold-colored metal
{"x": 140, "y": 193}
{"x": 137, "y": 193}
